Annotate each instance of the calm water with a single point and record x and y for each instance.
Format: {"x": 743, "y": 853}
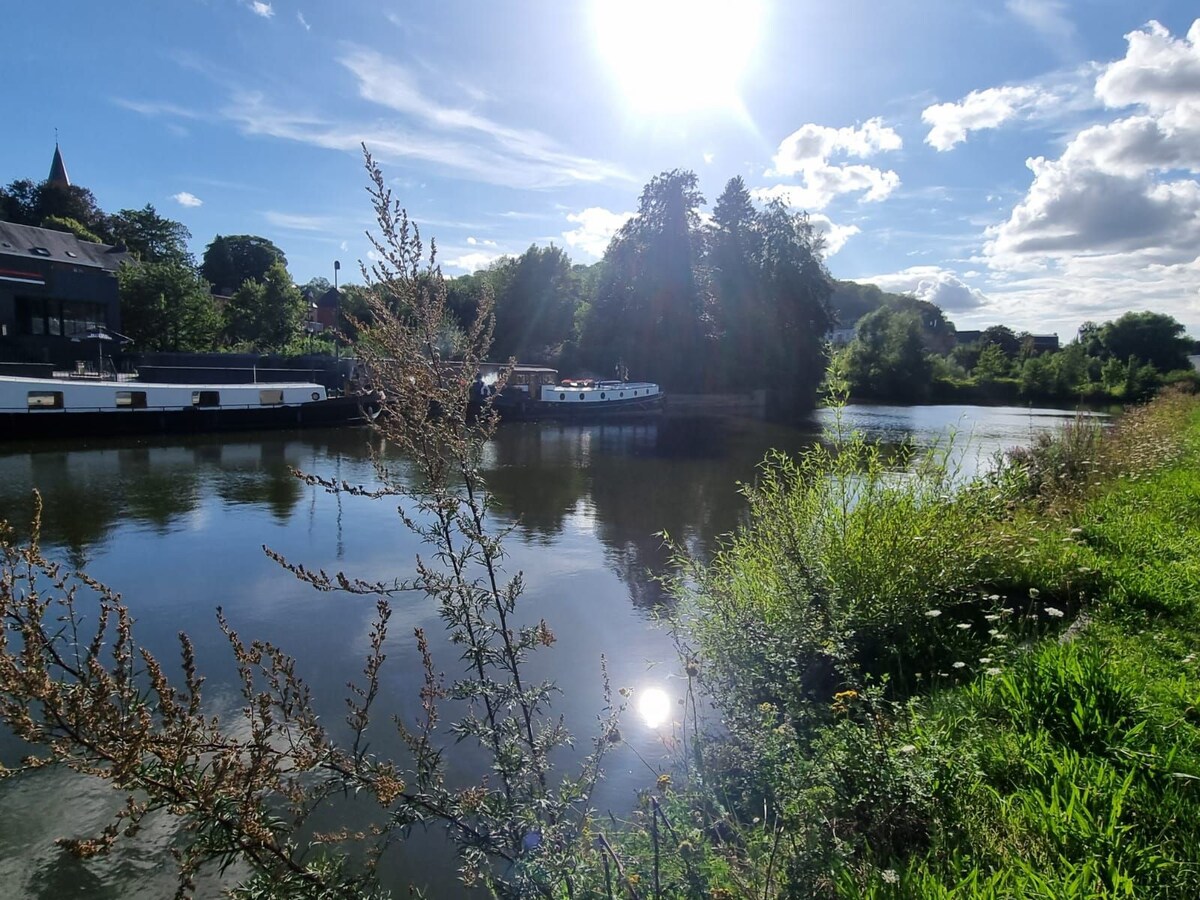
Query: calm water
{"x": 177, "y": 526}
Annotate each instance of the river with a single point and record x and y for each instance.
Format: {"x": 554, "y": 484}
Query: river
{"x": 177, "y": 525}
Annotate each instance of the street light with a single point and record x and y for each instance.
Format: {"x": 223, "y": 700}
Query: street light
{"x": 337, "y": 307}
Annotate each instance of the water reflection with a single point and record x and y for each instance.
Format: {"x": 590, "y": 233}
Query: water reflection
{"x": 653, "y": 706}
{"x": 177, "y": 525}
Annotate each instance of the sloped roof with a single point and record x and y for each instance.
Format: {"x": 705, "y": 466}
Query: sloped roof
{"x": 58, "y": 169}
{"x": 27, "y": 242}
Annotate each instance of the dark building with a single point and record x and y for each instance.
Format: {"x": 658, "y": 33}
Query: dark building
{"x": 54, "y": 290}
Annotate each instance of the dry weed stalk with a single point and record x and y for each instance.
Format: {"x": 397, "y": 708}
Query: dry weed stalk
{"x": 245, "y": 789}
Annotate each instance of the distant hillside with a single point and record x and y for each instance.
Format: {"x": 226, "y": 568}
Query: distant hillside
{"x": 851, "y": 301}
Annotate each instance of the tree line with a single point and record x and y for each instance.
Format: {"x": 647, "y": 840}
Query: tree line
{"x": 904, "y": 353}
{"x": 239, "y": 296}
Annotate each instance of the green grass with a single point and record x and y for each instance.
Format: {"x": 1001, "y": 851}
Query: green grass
{"x": 1016, "y": 668}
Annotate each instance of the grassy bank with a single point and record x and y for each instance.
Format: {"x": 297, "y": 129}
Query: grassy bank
{"x": 927, "y": 691}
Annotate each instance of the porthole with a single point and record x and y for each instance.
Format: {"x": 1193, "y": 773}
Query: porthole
{"x": 602, "y": 397}
{"x": 622, "y": 393}
{"x": 581, "y": 396}
{"x": 562, "y": 396}
{"x": 315, "y": 396}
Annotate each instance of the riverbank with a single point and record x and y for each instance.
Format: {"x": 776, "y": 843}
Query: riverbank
{"x": 983, "y": 693}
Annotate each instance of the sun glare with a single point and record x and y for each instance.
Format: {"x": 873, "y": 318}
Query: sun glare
{"x": 678, "y": 55}
{"x": 654, "y": 706}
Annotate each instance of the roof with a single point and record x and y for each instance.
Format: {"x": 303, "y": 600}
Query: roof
{"x": 58, "y": 169}
{"x": 27, "y": 242}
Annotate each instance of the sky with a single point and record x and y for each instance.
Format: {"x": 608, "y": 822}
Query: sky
{"x": 1027, "y": 162}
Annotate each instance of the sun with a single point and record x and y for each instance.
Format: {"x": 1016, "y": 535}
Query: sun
{"x": 678, "y": 56}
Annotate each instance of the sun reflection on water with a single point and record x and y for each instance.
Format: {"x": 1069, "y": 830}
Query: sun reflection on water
{"x": 654, "y": 706}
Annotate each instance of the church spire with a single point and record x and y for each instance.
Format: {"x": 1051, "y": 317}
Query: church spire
{"x": 58, "y": 169}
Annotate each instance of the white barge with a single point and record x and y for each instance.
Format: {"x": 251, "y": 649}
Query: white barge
{"x": 89, "y": 407}
{"x": 531, "y": 393}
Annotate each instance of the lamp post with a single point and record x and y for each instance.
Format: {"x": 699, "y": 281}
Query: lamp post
{"x": 337, "y": 308}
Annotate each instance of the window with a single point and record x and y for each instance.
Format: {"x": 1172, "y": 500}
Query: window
{"x": 131, "y": 399}
{"x": 562, "y": 396}
{"x": 206, "y": 398}
{"x": 272, "y": 397}
{"x": 581, "y": 396}
{"x": 45, "y": 400}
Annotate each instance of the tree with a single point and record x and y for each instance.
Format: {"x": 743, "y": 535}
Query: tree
{"x": 234, "y": 259}
{"x": 265, "y": 314}
{"x": 18, "y": 202}
{"x": 536, "y": 296}
{"x": 1003, "y": 337}
{"x": 992, "y": 365}
{"x": 1152, "y": 338}
{"x": 734, "y": 258}
{"x": 796, "y": 289}
{"x": 71, "y": 226}
{"x": 150, "y": 237}
{"x": 887, "y": 357}
{"x": 649, "y": 311}
{"x": 167, "y": 306}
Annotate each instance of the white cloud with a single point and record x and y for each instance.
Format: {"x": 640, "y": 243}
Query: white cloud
{"x": 1049, "y": 19}
{"x": 1116, "y": 189}
{"x": 259, "y": 8}
{"x": 807, "y": 153}
{"x": 822, "y": 184}
{"x": 978, "y": 110}
{"x": 1158, "y": 72}
{"x": 835, "y": 235}
{"x": 298, "y": 221}
{"x": 1114, "y": 222}
{"x": 183, "y": 198}
{"x": 303, "y": 21}
{"x": 596, "y": 228}
{"x": 933, "y": 284}
{"x": 472, "y": 262}
{"x": 708, "y": 158}
{"x": 461, "y": 138}
{"x": 482, "y": 242}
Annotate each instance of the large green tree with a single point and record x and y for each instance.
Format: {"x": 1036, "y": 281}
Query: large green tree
{"x": 1151, "y": 338}
{"x": 536, "y": 296}
{"x": 233, "y": 259}
{"x": 735, "y": 250}
{"x": 887, "y": 357}
{"x": 797, "y": 287}
{"x": 27, "y": 202}
{"x": 649, "y": 310}
{"x": 150, "y": 237}
{"x": 267, "y": 314}
{"x": 167, "y": 306}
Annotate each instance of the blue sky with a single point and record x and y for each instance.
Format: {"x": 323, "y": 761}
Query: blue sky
{"x": 1032, "y": 162}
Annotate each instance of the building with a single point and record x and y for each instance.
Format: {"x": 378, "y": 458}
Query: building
{"x": 54, "y": 290}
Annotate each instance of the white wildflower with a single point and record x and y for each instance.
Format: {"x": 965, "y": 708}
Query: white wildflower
{"x": 932, "y": 613}
{"x": 889, "y": 875}
{"x": 994, "y": 671}
{"x": 963, "y": 626}
{"x": 960, "y": 665}
{"x": 1056, "y": 613}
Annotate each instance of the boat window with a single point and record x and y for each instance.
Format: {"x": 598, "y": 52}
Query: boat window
{"x": 562, "y": 396}
{"x": 581, "y": 396}
{"x": 602, "y": 397}
{"x": 206, "y": 398}
{"x": 622, "y": 393}
{"x": 272, "y": 397}
{"x": 45, "y": 400}
{"x": 131, "y": 399}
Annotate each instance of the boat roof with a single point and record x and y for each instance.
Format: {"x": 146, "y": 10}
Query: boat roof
{"x": 138, "y": 385}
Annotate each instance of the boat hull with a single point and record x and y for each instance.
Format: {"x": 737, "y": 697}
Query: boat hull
{"x": 54, "y": 423}
{"x": 531, "y": 410}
